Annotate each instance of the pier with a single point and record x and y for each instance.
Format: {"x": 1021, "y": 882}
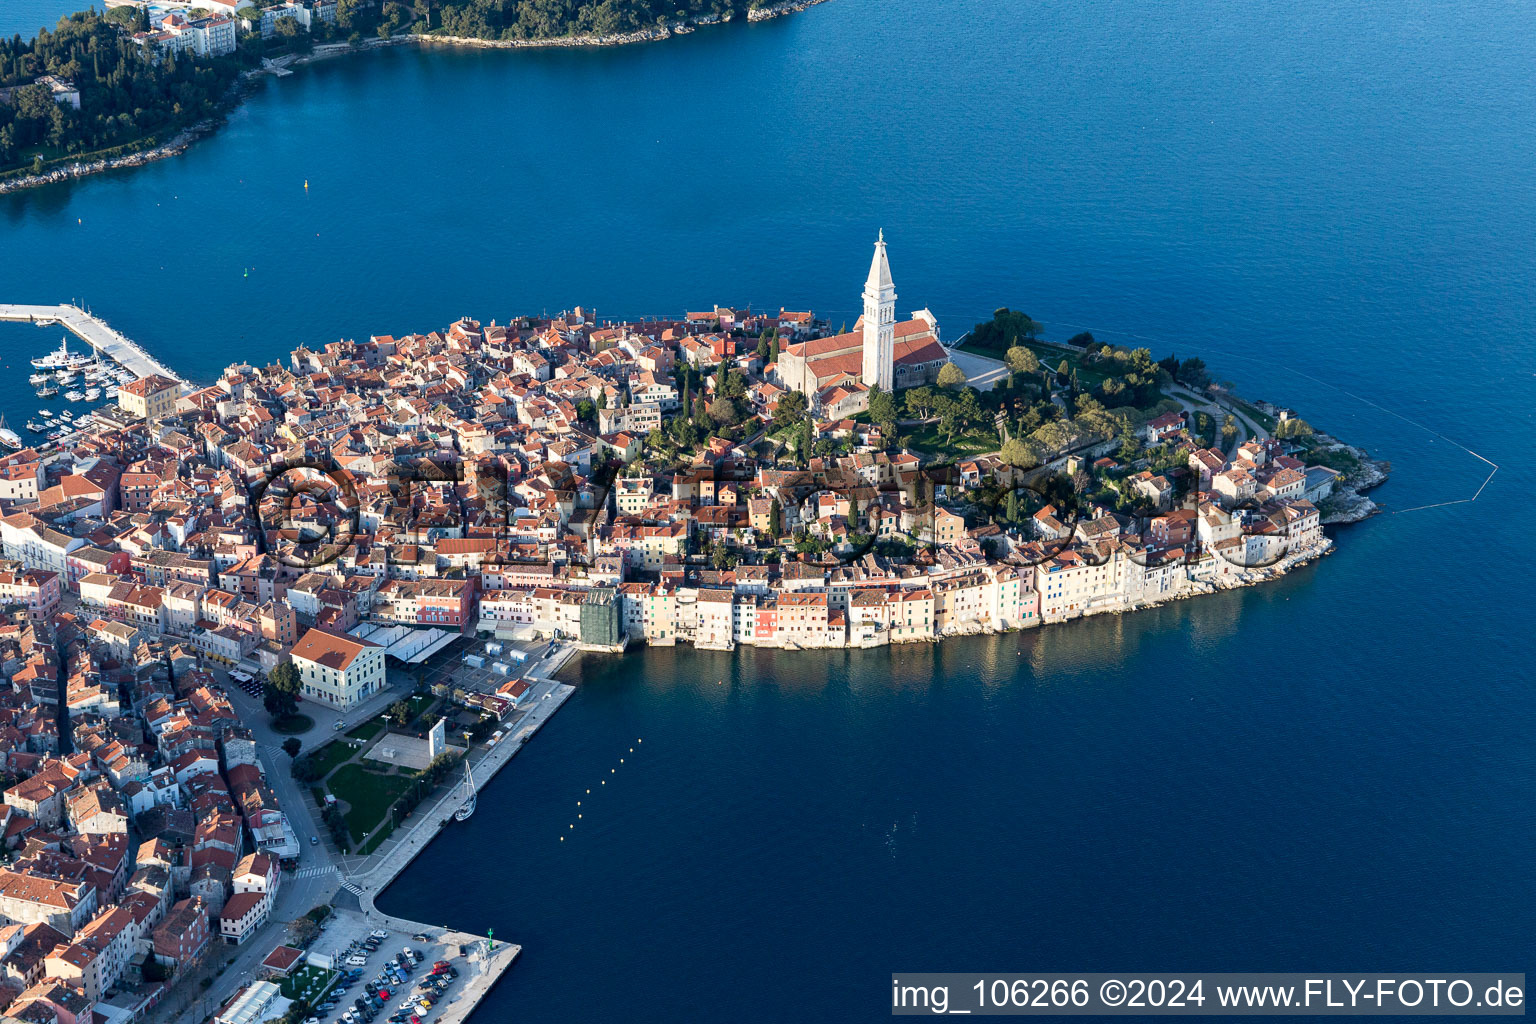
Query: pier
{"x": 95, "y": 332}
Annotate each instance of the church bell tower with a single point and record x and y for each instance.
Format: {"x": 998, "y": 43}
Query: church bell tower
{"x": 879, "y": 323}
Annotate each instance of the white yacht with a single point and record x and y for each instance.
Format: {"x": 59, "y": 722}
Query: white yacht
{"x": 92, "y": 393}
{"x": 56, "y": 359}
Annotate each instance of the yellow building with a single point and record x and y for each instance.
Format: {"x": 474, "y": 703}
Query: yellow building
{"x": 151, "y": 398}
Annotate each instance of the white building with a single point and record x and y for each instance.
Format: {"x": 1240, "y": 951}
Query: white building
{"x": 341, "y": 671}
{"x": 879, "y": 367}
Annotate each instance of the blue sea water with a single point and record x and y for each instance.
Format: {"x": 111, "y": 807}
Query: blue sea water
{"x": 25, "y": 17}
{"x": 1331, "y": 203}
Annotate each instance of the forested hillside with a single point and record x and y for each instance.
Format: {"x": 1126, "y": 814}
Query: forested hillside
{"x": 124, "y": 98}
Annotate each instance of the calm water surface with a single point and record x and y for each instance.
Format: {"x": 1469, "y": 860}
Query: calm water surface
{"x": 1333, "y": 205}
{"x": 25, "y": 17}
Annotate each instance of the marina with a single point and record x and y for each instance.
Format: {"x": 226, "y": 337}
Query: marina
{"x": 96, "y": 333}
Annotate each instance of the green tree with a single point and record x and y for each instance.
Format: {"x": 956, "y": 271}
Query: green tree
{"x": 281, "y": 698}
{"x": 1022, "y": 360}
{"x": 951, "y": 376}
{"x": 790, "y": 409}
{"x": 803, "y": 442}
{"x": 775, "y": 519}
{"x": 882, "y": 409}
{"x": 919, "y": 402}
{"x": 1018, "y": 453}
{"x": 399, "y": 712}
{"x": 292, "y": 746}
{"x": 1193, "y": 373}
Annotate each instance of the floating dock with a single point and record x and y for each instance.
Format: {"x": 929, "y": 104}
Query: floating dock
{"x": 95, "y": 332}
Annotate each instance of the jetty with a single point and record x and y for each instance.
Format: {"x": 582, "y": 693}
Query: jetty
{"x": 96, "y": 333}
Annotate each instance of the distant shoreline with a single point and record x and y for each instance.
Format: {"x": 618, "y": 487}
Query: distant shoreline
{"x": 184, "y": 139}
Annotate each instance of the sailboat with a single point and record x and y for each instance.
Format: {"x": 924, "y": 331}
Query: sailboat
{"x": 468, "y": 806}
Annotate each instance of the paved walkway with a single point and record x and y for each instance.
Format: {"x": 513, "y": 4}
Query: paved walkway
{"x": 94, "y": 332}
{"x": 981, "y": 372}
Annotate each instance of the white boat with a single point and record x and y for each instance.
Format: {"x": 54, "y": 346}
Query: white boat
{"x": 9, "y": 437}
{"x": 54, "y": 435}
{"x": 47, "y": 391}
{"x": 67, "y": 377}
{"x": 58, "y": 358}
{"x": 39, "y": 379}
{"x": 37, "y": 428}
{"x": 92, "y": 394}
{"x": 46, "y": 414}
{"x": 110, "y": 394}
{"x": 75, "y": 396}
{"x": 468, "y": 806}
{"x": 66, "y": 415}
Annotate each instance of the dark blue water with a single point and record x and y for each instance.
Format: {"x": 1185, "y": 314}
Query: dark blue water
{"x": 25, "y": 17}
{"x": 1333, "y": 205}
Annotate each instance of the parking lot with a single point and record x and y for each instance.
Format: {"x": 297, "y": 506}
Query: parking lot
{"x": 380, "y": 980}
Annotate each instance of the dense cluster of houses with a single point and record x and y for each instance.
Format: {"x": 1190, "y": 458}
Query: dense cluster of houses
{"x": 490, "y": 477}
{"x": 135, "y": 841}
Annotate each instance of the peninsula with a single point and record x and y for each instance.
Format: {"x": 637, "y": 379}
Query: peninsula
{"x": 389, "y": 546}
{"x": 149, "y": 77}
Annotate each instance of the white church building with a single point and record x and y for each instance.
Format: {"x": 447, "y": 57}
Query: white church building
{"x": 836, "y": 373}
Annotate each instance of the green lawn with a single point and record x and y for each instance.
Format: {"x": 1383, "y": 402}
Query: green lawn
{"x": 308, "y": 977}
{"x": 368, "y": 794}
{"x": 332, "y": 756}
{"x": 294, "y": 725}
{"x": 368, "y": 730}
{"x": 977, "y": 440}
{"x": 378, "y": 837}
{"x": 1253, "y": 415}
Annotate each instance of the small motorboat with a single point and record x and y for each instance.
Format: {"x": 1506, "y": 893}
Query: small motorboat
{"x": 75, "y": 395}
{"x": 47, "y": 391}
{"x": 37, "y": 380}
{"x": 92, "y": 394}
{"x": 36, "y": 427}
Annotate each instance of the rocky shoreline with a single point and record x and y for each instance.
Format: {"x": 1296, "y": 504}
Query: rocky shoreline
{"x": 185, "y": 138}
{"x": 1348, "y": 503}
{"x": 775, "y": 10}
{"x": 175, "y": 147}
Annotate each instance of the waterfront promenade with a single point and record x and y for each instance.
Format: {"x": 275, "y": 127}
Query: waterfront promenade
{"x": 96, "y": 333}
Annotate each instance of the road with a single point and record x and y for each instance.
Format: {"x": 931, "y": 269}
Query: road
{"x": 319, "y": 877}
{"x": 313, "y": 883}
{"x": 1192, "y": 402}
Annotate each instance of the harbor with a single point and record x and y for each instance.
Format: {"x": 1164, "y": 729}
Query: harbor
{"x": 96, "y": 333}
{"x": 81, "y": 377}
{"x": 485, "y": 959}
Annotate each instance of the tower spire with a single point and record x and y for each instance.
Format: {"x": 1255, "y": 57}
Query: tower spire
{"x": 879, "y": 322}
